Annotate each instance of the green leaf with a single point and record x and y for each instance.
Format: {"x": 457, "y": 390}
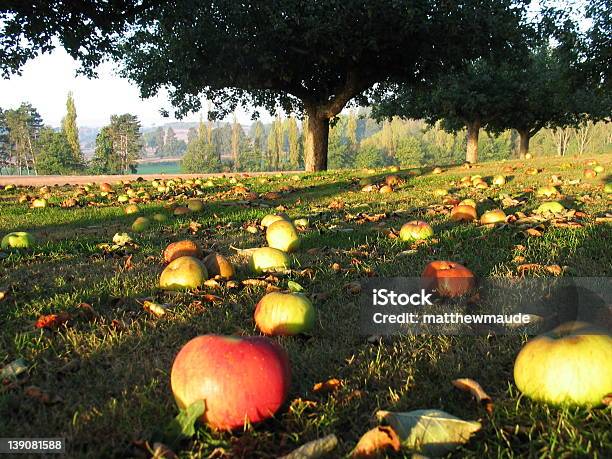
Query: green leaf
{"x": 314, "y": 449}
{"x": 183, "y": 426}
{"x": 430, "y": 432}
{"x": 294, "y": 286}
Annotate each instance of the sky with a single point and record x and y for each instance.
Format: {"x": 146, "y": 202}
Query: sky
{"x": 47, "y": 79}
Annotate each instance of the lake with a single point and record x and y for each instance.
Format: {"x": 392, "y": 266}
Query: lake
{"x": 173, "y": 167}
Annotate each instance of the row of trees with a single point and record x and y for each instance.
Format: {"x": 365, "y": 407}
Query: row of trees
{"x": 28, "y": 146}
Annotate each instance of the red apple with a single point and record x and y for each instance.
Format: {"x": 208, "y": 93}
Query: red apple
{"x": 239, "y": 379}
{"x": 448, "y": 278}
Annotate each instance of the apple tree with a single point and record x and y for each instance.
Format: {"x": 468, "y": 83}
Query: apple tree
{"x": 306, "y": 57}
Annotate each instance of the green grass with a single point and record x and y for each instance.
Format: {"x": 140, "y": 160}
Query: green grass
{"x": 114, "y": 382}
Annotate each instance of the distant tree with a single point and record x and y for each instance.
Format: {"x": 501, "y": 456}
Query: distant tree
{"x": 71, "y": 131}
{"x": 118, "y": 146}
{"x": 56, "y": 154}
{"x": 173, "y": 147}
{"x": 237, "y": 138}
{"x": 351, "y": 132}
{"x": 192, "y": 134}
{"x": 158, "y": 139}
{"x": 370, "y": 157}
{"x": 5, "y": 147}
{"x": 257, "y": 134}
{"x": 273, "y": 147}
{"x": 340, "y": 154}
{"x": 295, "y": 153}
{"x": 176, "y": 46}
{"x": 24, "y": 125}
{"x": 201, "y": 155}
{"x": 409, "y": 152}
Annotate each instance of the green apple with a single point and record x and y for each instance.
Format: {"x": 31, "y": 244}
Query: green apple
{"x": 284, "y": 314}
{"x": 415, "y": 230}
{"x": 570, "y": 365}
{"x": 268, "y": 259}
{"x": 160, "y": 218}
{"x": 183, "y": 273}
{"x": 141, "y": 224}
{"x": 18, "y": 240}
{"x": 547, "y": 191}
{"x": 553, "y": 207}
{"x": 123, "y": 198}
{"x": 195, "y": 205}
{"x": 39, "y": 203}
{"x": 282, "y": 235}
{"x": 271, "y": 218}
{"x": 499, "y": 180}
{"x": 131, "y": 209}
{"x": 608, "y": 188}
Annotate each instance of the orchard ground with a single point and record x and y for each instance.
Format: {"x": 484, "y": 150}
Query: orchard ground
{"x": 107, "y": 372}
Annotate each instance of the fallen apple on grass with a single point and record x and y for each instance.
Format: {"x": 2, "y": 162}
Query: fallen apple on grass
{"x": 131, "y": 209}
{"x": 268, "y": 259}
{"x": 17, "y": 240}
{"x": 499, "y": 180}
{"x": 448, "y": 278}
{"x": 184, "y": 273}
{"x": 546, "y": 191}
{"x": 217, "y": 265}
{"x": 39, "y": 203}
{"x": 284, "y": 314}
{"x": 282, "y": 235}
{"x": 160, "y": 218}
{"x": 572, "y": 364}
{"x": 185, "y": 248}
{"x": 141, "y": 224}
{"x": 608, "y": 188}
{"x": 195, "y": 205}
{"x": 416, "y": 230}
{"x": 272, "y": 218}
{"x": 181, "y": 210}
{"x": 463, "y": 213}
{"x": 239, "y": 379}
{"x": 493, "y": 216}
{"x": 552, "y": 207}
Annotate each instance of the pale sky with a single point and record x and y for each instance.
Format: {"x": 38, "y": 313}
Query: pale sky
{"x": 46, "y": 81}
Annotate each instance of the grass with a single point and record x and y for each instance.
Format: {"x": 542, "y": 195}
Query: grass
{"x": 111, "y": 374}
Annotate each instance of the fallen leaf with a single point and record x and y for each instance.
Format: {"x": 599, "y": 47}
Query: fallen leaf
{"x": 353, "y": 287}
{"x": 471, "y": 386}
{"x": 255, "y": 282}
{"x": 533, "y": 232}
{"x": 212, "y": 298}
{"x": 430, "y": 432}
{"x": 161, "y": 451}
{"x": 128, "y": 263}
{"x": 319, "y": 296}
{"x": 331, "y": 385}
{"x": 252, "y": 229}
{"x": 314, "y": 449}
{"x": 183, "y": 425}
{"x": 3, "y": 294}
{"x": 87, "y": 311}
{"x": 40, "y": 395}
{"x": 553, "y": 269}
{"x": 157, "y": 309}
{"x": 14, "y": 369}
{"x": 52, "y": 321}
{"x": 194, "y": 227}
{"x": 375, "y": 442}
{"x": 211, "y": 283}
{"x": 294, "y": 286}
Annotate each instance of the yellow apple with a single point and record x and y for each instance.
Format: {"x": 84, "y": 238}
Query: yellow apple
{"x": 217, "y": 265}
{"x": 284, "y": 314}
{"x": 493, "y": 216}
{"x": 553, "y": 207}
{"x": 282, "y": 235}
{"x": 183, "y": 273}
{"x": 195, "y": 205}
{"x": 570, "y": 365}
{"x": 415, "y": 230}
{"x": 17, "y": 240}
{"x": 271, "y": 218}
{"x": 268, "y": 259}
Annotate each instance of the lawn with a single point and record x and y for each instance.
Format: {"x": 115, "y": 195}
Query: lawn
{"x": 102, "y": 380}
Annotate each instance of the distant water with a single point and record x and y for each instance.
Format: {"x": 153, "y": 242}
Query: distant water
{"x": 159, "y": 168}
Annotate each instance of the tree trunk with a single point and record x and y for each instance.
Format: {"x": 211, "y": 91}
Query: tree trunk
{"x": 317, "y": 137}
{"x": 473, "y": 129}
{"x": 524, "y": 138}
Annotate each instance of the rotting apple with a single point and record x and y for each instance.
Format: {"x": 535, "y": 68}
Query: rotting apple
{"x": 416, "y": 230}
{"x": 185, "y": 248}
{"x": 447, "y": 278}
{"x": 268, "y": 259}
{"x": 239, "y": 379}
{"x": 284, "y": 314}
{"x": 572, "y": 364}
{"x": 217, "y": 265}
{"x": 183, "y": 273}
{"x": 282, "y": 235}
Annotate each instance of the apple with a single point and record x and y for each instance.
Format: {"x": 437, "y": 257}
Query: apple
{"x": 463, "y": 213}
{"x": 493, "y": 216}
{"x": 416, "y": 230}
{"x": 528, "y": 156}
{"x": 141, "y": 224}
{"x": 531, "y": 171}
{"x": 394, "y": 168}
{"x": 123, "y": 198}
{"x": 590, "y": 173}
{"x": 598, "y": 169}
{"x": 392, "y": 180}
{"x": 301, "y": 222}
{"x": 284, "y": 314}
{"x": 239, "y": 379}
{"x": 131, "y": 209}
{"x": 546, "y": 191}
{"x": 106, "y": 187}
{"x": 183, "y": 273}
{"x": 553, "y": 207}
{"x": 18, "y": 240}
{"x": 436, "y": 170}
{"x": 608, "y": 188}
{"x": 217, "y": 265}
{"x": 268, "y": 259}
{"x": 385, "y": 189}
{"x": 39, "y": 203}
{"x": 195, "y": 205}
{"x": 481, "y": 185}
{"x": 499, "y": 180}
{"x": 185, "y": 248}
{"x": 468, "y": 202}
{"x": 440, "y": 192}
{"x": 271, "y": 218}
{"x": 572, "y": 364}
{"x": 181, "y": 210}
{"x": 448, "y": 278}
{"x": 282, "y": 235}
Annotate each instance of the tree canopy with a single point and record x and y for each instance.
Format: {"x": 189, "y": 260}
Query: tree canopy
{"x": 304, "y": 57}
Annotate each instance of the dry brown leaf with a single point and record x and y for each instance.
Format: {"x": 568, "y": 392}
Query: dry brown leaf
{"x": 375, "y": 442}
{"x": 252, "y": 229}
{"x": 353, "y": 287}
{"x": 336, "y": 204}
{"x": 211, "y": 283}
{"x": 320, "y": 296}
{"x": 331, "y": 385}
{"x": 52, "y": 321}
{"x": 255, "y": 282}
{"x": 533, "y": 232}
{"x": 471, "y": 386}
{"x": 127, "y": 265}
{"x": 38, "y": 394}
{"x": 209, "y": 298}
{"x": 156, "y": 309}
{"x": 553, "y": 269}
{"x": 194, "y": 227}
{"x": 87, "y": 311}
